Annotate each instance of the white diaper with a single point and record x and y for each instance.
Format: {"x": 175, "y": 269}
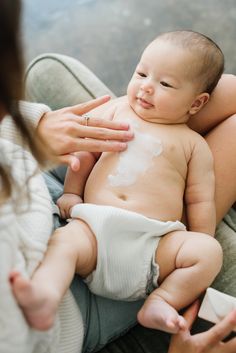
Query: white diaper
{"x": 126, "y": 243}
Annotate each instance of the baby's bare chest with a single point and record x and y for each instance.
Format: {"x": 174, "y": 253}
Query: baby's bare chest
{"x": 168, "y": 141}
{"x": 155, "y": 151}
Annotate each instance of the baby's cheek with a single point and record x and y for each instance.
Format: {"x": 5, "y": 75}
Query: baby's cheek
{"x": 131, "y": 89}
{"x": 131, "y": 96}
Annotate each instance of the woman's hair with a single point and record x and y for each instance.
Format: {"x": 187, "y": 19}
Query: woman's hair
{"x": 11, "y": 84}
{"x": 208, "y": 63}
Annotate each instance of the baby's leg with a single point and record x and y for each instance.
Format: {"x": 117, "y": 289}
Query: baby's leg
{"x": 71, "y": 249}
{"x": 188, "y": 263}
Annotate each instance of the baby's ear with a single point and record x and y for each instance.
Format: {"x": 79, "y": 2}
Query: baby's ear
{"x": 199, "y": 102}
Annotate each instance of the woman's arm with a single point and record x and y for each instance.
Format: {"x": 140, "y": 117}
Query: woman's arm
{"x": 221, "y": 105}
{"x": 222, "y": 142}
{"x": 200, "y": 189}
{"x": 217, "y": 122}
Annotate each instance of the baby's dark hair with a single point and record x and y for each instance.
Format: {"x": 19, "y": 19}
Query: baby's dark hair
{"x": 209, "y": 63}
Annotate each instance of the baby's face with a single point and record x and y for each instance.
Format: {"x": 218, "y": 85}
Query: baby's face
{"x": 160, "y": 90}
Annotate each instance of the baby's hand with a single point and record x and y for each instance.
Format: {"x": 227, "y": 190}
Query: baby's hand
{"x": 66, "y": 202}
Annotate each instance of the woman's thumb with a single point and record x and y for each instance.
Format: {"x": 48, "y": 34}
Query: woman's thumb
{"x": 191, "y": 313}
{"x": 71, "y": 160}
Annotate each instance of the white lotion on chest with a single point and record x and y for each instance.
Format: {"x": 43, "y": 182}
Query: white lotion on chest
{"x": 136, "y": 159}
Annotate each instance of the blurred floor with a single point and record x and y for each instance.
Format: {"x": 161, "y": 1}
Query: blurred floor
{"x": 109, "y": 35}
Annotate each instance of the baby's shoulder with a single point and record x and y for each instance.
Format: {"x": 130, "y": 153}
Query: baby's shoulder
{"x": 122, "y": 103}
{"x": 108, "y": 109}
{"x": 198, "y": 145}
{"x": 192, "y": 142}
{"x": 189, "y": 134}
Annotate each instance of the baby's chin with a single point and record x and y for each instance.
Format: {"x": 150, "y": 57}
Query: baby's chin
{"x": 145, "y": 114}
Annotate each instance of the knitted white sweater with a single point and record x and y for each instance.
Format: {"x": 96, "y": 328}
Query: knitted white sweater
{"x": 25, "y": 228}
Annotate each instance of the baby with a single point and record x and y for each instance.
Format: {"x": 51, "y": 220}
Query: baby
{"x": 126, "y": 238}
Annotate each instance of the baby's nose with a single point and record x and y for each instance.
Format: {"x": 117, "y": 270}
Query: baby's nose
{"x": 147, "y": 87}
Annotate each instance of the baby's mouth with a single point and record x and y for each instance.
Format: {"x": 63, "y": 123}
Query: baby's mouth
{"x": 145, "y": 104}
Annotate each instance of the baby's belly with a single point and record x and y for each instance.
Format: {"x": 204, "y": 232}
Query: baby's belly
{"x": 165, "y": 205}
{"x": 156, "y": 192}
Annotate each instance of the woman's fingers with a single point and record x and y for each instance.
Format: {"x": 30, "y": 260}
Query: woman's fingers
{"x": 89, "y": 145}
{"x": 65, "y": 131}
{"x": 71, "y": 160}
{"x": 191, "y": 313}
{"x": 83, "y": 108}
{"x": 102, "y": 133}
{"x": 231, "y": 346}
{"x": 93, "y": 145}
{"x": 221, "y": 330}
{"x": 209, "y": 341}
{"x": 99, "y": 122}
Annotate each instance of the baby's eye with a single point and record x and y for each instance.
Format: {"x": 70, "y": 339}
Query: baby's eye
{"x": 165, "y": 84}
{"x": 141, "y": 74}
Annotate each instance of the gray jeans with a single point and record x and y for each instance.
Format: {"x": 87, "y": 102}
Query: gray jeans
{"x": 58, "y": 81}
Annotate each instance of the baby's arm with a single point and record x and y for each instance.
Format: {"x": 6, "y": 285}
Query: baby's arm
{"x": 75, "y": 183}
{"x": 200, "y": 190}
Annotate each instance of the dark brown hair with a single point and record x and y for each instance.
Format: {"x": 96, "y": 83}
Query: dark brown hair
{"x": 11, "y": 84}
{"x": 209, "y": 59}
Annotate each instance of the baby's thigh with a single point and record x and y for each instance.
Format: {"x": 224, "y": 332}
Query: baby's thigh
{"x": 80, "y": 240}
{"x": 181, "y": 249}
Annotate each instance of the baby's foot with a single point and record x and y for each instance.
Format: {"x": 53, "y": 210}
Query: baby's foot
{"x": 158, "y": 314}
{"x": 39, "y": 304}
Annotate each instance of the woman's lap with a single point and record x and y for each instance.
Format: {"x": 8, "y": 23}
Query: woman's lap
{"x": 59, "y": 81}
{"x": 104, "y": 319}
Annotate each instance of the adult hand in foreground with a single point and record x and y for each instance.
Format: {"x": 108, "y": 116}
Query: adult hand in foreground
{"x": 206, "y": 342}
{"x": 65, "y": 132}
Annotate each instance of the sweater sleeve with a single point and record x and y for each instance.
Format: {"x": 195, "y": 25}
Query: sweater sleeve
{"x": 31, "y": 113}
{"x": 30, "y": 204}
{"x": 30, "y": 201}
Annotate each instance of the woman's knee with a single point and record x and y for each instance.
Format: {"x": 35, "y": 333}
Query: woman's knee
{"x": 59, "y": 81}
{"x": 50, "y": 79}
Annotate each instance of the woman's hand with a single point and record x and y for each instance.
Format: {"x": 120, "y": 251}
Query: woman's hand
{"x": 205, "y": 342}
{"x": 65, "y": 131}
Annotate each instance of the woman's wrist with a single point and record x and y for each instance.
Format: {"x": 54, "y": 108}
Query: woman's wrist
{"x": 33, "y": 112}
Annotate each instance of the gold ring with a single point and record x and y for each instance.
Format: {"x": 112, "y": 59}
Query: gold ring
{"x": 86, "y": 118}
